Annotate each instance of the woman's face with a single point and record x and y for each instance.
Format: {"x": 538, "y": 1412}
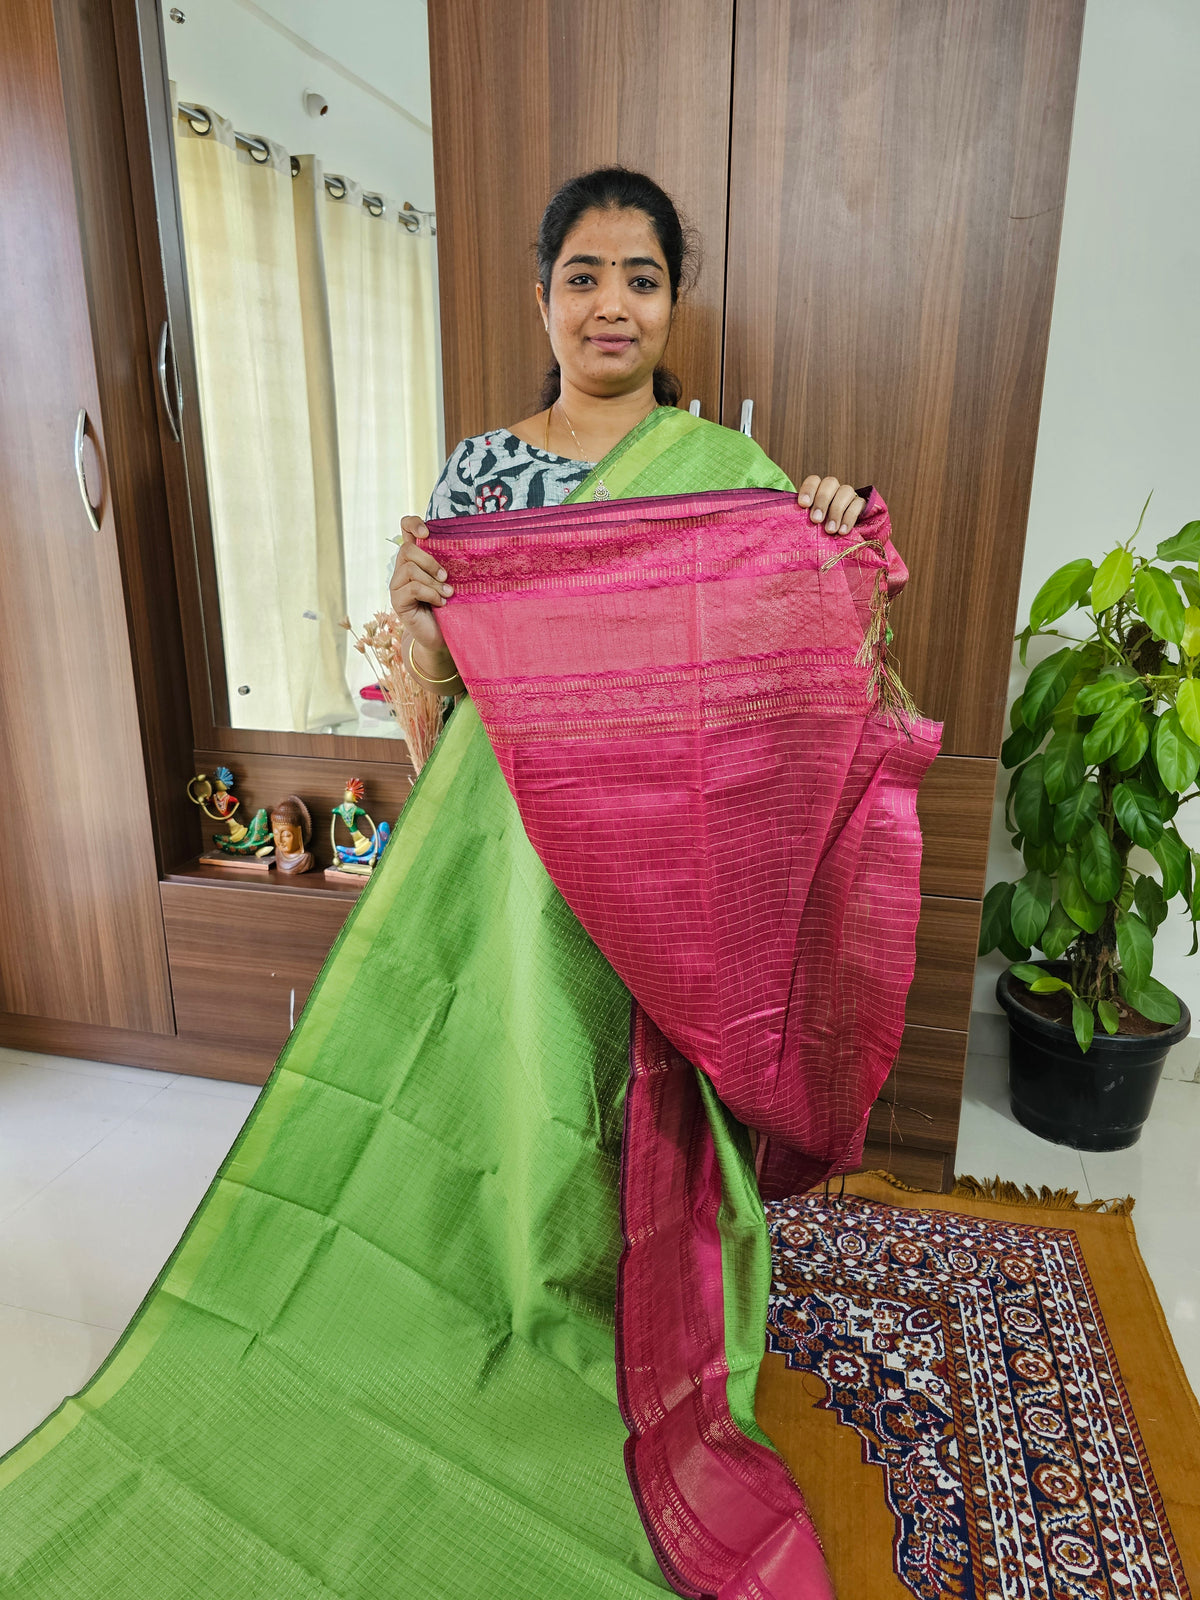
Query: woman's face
{"x": 609, "y": 309}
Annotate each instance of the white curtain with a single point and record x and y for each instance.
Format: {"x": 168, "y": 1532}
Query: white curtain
{"x": 314, "y": 328}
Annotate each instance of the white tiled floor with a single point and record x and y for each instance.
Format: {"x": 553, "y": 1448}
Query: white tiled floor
{"x": 101, "y": 1168}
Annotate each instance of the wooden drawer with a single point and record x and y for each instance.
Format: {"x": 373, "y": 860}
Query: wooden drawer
{"x": 955, "y": 807}
{"x": 947, "y": 938}
{"x": 243, "y": 961}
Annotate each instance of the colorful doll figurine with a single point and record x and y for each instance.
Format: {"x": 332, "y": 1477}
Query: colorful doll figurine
{"x": 217, "y": 800}
{"x": 358, "y": 858}
{"x": 291, "y": 828}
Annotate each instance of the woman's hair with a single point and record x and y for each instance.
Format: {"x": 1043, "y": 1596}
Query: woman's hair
{"x": 617, "y": 189}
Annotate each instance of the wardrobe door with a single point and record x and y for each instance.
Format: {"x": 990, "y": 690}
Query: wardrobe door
{"x": 896, "y": 188}
{"x": 527, "y": 95}
{"x": 81, "y": 938}
{"x": 897, "y": 172}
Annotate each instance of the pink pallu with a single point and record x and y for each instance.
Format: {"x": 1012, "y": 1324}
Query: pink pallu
{"x": 683, "y": 695}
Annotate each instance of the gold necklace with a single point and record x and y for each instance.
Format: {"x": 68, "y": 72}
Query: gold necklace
{"x": 601, "y": 487}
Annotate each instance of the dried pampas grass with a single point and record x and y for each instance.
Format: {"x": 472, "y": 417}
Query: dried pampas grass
{"x": 417, "y": 710}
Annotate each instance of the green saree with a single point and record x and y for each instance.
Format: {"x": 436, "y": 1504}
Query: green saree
{"x": 381, "y": 1360}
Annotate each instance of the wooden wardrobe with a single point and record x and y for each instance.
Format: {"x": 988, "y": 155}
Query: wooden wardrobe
{"x": 877, "y": 189}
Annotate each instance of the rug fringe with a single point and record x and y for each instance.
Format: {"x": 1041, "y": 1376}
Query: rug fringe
{"x": 1024, "y": 1194}
{"x": 1008, "y": 1193}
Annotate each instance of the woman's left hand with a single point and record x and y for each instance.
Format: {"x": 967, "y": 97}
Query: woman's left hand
{"x": 835, "y": 504}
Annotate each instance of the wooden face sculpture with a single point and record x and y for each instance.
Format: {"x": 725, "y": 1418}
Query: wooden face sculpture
{"x": 291, "y": 828}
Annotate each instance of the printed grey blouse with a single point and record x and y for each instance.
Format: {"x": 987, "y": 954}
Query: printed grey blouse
{"x": 496, "y": 471}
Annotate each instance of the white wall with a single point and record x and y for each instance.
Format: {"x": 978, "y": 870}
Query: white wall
{"x": 1121, "y": 412}
{"x": 236, "y": 56}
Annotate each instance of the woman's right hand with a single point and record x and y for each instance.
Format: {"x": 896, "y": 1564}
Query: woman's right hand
{"x": 418, "y": 588}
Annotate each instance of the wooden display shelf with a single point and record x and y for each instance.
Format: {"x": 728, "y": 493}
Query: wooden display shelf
{"x": 312, "y": 883}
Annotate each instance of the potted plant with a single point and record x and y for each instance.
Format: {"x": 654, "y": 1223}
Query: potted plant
{"x": 1105, "y": 748}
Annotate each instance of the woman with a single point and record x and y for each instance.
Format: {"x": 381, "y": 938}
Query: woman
{"x": 490, "y": 1239}
{"x": 612, "y": 259}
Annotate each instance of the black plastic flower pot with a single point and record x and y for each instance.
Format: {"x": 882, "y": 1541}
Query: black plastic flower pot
{"x": 1097, "y": 1101}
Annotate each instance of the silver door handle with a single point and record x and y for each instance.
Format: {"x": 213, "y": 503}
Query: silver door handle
{"x": 694, "y": 408}
{"x": 162, "y": 382}
{"x": 93, "y": 512}
{"x": 747, "y": 415}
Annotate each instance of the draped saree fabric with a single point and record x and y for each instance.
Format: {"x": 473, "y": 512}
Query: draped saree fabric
{"x": 679, "y": 698}
{"x": 381, "y": 1360}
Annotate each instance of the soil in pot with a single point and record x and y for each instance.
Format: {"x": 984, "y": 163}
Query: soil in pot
{"x": 1097, "y": 1101}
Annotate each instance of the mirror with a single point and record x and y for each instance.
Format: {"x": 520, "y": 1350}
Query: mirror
{"x": 303, "y": 157}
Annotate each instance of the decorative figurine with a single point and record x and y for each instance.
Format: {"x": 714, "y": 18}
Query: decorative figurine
{"x": 291, "y": 828}
{"x": 356, "y": 861}
{"x": 249, "y": 848}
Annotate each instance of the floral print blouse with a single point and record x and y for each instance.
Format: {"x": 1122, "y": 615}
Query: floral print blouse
{"x": 496, "y": 471}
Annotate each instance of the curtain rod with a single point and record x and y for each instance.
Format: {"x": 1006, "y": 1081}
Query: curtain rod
{"x": 411, "y": 216}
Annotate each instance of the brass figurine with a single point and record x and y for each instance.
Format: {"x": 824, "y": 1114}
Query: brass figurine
{"x": 357, "y": 859}
{"x": 241, "y": 846}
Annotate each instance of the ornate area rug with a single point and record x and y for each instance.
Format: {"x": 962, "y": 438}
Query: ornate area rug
{"x": 968, "y": 1350}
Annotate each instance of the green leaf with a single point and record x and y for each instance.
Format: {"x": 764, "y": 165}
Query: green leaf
{"x": 1181, "y": 546}
{"x": 1027, "y": 973}
{"x": 1125, "y": 897}
{"x": 1047, "y": 983}
{"x": 1077, "y": 812}
{"x": 995, "y": 920}
{"x": 1112, "y": 578}
{"x": 1099, "y": 865}
{"x": 1047, "y": 684}
{"x": 1138, "y": 812}
{"x": 1109, "y": 1015}
{"x": 1158, "y": 601}
{"x": 1061, "y": 590}
{"x": 1110, "y": 731}
{"x": 1155, "y": 1001}
{"x": 1191, "y": 627}
{"x": 1031, "y": 807}
{"x": 1030, "y": 909}
{"x": 1019, "y": 746}
{"x": 1041, "y": 857}
{"x": 1059, "y": 933}
{"x": 1172, "y": 856}
{"x": 1080, "y": 906}
{"x": 1135, "y": 946}
{"x": 1175, "y": 755}
{"x": 1134, "y": 748}
{"x": 1083, "y": 1021}
{"x": 1188, "y": 580}
{"x": 1062, "y": 766}
{"x": 1023, "y": 639}
{"x": 1106, "y": 692}
{"x": 1152, "y": 906}
{"x": 1187, "y": 703}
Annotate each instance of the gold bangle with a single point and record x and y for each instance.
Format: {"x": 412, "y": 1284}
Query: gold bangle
{"x": 417, "y": 673}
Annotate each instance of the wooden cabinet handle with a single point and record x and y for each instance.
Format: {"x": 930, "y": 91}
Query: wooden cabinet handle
{"x": 747, "y": 417}
{"x": 164, "y": 335}
{"x": 93, "y": 512}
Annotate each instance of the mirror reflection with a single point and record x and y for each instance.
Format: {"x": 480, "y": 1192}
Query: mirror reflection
{"x": 304, "y": 155}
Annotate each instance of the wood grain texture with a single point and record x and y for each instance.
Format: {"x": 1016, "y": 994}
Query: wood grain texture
{"x": 896, "y": 185}
{"x": 920, "y": 1169}
{"x": 954, "y": 805}
{"x": 82, "y": 937}
{"x": 919, "y": 1104}
{"x": 242, "y": 963}
{"x": 229, "y": 1058}
{"x": 559, "y": 88}
{"x": 124, "y": 368}
{"x": 947, "y": 937}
